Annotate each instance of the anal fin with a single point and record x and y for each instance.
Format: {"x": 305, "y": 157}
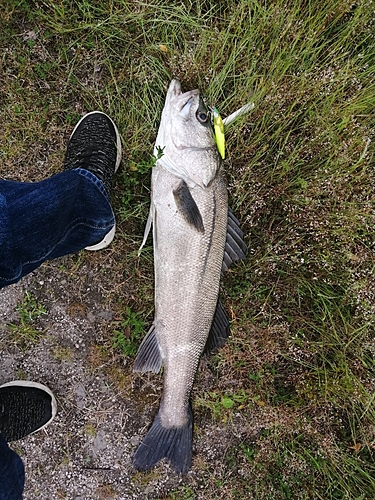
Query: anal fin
{"x": 148, "y": 357}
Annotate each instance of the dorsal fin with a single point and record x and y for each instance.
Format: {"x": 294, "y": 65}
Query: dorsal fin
{"x": 219, "y": 330}
{"x": 235, "y": 247}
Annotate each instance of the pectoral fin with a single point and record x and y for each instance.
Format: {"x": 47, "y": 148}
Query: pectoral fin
{"x": 219, "y": 330}
{"x": 235, "y": 247}
{"x": 151, "y": 216}
{"x": 187, "y": 206}
{"x": 149, "y": 357}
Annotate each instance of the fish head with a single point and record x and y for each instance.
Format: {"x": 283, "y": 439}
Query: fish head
{"x": 186, "y": 137}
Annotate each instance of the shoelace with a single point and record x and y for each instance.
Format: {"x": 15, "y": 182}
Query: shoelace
{"x": 85, "y": 158}
{"x": 3, "y": 415}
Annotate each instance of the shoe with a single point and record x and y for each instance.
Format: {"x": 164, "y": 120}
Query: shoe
{"x": 25, "y": 408}
{"x": 95, "y": 146}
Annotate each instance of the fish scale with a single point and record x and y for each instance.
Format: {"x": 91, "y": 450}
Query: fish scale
{"x": 187, "y": 276}
{"x": 189, "y": 214}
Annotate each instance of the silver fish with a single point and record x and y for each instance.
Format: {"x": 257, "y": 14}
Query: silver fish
{"x": 194, "y": 240}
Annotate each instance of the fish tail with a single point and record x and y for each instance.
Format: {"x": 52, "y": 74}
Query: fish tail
{"x": 174, "y": 444}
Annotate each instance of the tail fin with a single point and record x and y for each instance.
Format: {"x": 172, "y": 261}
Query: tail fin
{"x": 174, "y": 444}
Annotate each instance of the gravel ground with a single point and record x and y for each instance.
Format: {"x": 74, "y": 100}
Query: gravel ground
{"x": 86, "y": 452}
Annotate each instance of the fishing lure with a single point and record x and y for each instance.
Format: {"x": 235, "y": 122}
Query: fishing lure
{"x": 219, "y": 132}
{"x": 219, "y": 125}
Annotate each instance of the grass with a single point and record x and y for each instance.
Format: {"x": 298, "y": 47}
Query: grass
{"x": 127, "y": 336}
{"x": 26, "y": 330}
{"x": 301, "y": 180}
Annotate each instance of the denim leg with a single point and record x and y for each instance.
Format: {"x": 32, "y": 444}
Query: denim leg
{"x": 44, "y": 220}
{"x": 12, "y": 473}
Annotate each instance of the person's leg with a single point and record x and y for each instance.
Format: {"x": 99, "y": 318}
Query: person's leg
{"x": 65, "y": 213}
{"x": 44, "y": 220}
{"x": 25, "y": 407}
{"x": 12, "y": 473}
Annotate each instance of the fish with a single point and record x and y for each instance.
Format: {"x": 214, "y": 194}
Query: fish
{"x": 196, "y": 237}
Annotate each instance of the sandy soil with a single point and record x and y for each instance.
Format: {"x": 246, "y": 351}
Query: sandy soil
{"x": 87, "y": 450}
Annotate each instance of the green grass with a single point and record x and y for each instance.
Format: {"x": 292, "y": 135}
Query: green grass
{"x": 26, "y": 331}
{"x": 301, "y": 179}
{"x": 128, "y": 334}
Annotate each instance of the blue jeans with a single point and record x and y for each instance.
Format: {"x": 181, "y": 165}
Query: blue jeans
{"x": 12, "y": 473}
{"x": 41, "y": 221}
{"x": 44, "y": 220}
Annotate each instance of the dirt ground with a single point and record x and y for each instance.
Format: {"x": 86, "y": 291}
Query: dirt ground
{"x": 103, "y": 409}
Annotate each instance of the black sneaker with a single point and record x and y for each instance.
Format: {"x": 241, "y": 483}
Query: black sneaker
{"x": 95, "y": 145}
{"x": 25, "y": 407}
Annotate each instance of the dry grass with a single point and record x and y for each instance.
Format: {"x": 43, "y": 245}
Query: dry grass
{"x": 296, "y": 381}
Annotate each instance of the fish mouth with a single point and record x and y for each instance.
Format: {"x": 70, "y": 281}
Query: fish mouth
{"x": 181, "y": 101}
{"x": 175, "y": 88}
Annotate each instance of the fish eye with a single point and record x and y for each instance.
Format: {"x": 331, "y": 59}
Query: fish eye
{"x": 202, "y": 116}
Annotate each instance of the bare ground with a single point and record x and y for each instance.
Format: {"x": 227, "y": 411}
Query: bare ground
{"x": 103, "y": 409}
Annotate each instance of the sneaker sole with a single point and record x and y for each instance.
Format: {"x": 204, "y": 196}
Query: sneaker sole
{"x": 27, "y": 383}
{"x": 107, "y": 240}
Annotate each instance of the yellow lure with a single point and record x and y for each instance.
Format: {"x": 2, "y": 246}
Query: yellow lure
{"x": 219, "y": 132}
